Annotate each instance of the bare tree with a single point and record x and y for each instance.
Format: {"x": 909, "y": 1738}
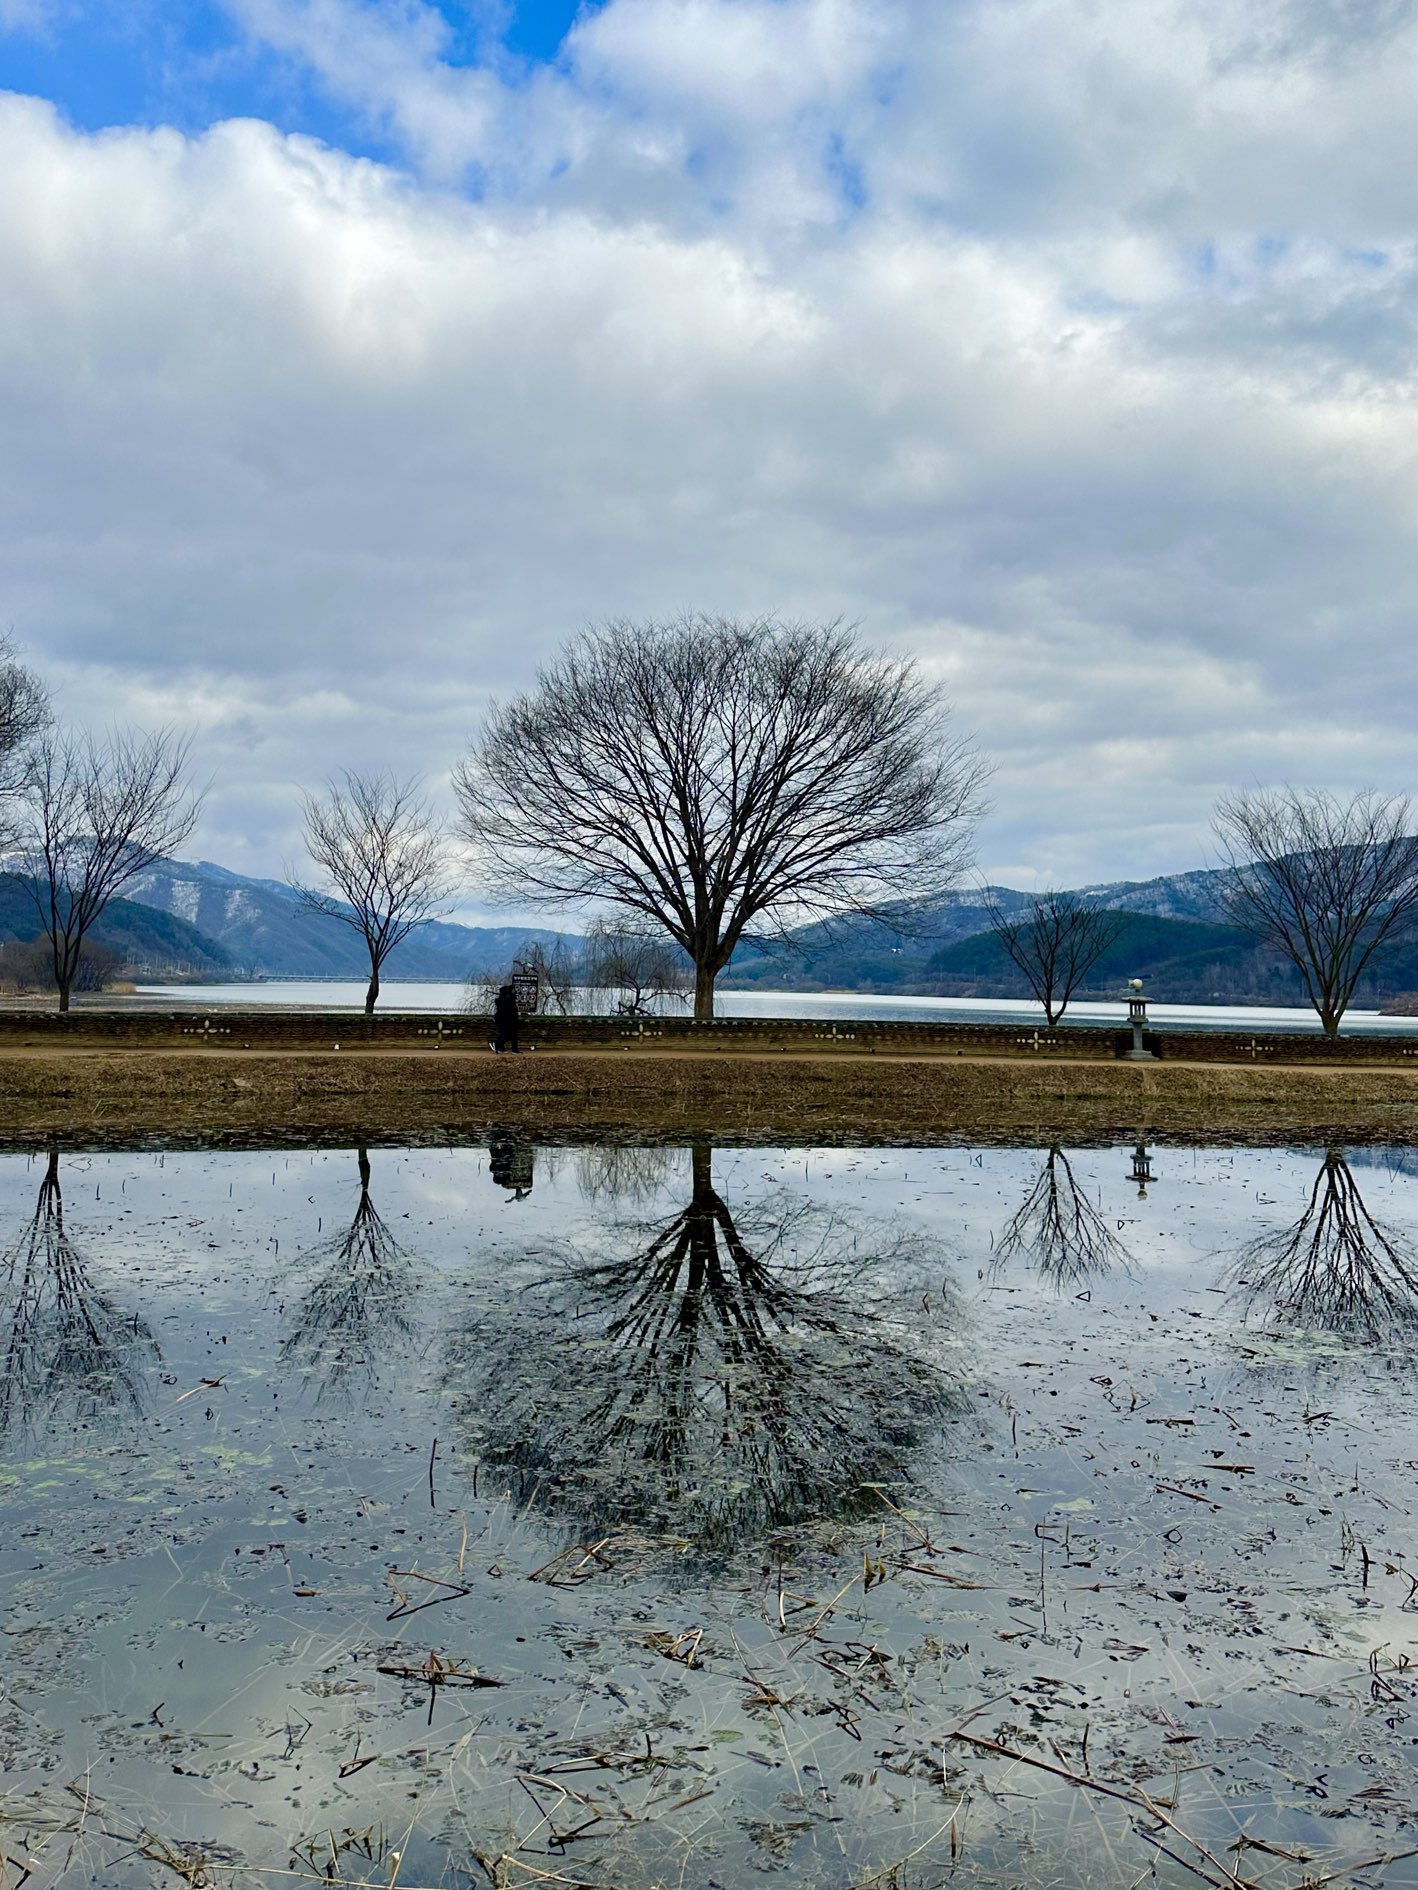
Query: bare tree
{"x": 354, "y": 1311}
{"x": 1056, "y": 941}
{"x": 1327, "y": 881}
{"x": 24, "y": 714}
{"x": 557, "y": 974}
{"x": 383, "y": 861}
{"x": 704, "y": 774}
{"x": 1057, "y": 1227}
{"x": 93, "y": 813}
{"x": 1336, "y": 1269}
{"x": 713, "y": 1375}
{"x": 72, "y": 1353}
{"x": 623, "y": 1171}
{"x": 643, "y": 971}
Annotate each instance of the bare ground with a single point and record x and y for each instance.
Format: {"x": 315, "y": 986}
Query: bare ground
{"x": 837, "y": 1097}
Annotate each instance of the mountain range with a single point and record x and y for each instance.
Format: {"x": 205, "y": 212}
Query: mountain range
{"x": 1176, "y": 938}
{"x": 265, "y": 930}
{"x": 201, "y": 920}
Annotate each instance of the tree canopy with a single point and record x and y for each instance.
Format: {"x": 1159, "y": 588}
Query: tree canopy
{"x": 708, "y": 775}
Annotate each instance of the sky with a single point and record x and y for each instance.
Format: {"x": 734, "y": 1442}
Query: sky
{"x": 355, "y": 353}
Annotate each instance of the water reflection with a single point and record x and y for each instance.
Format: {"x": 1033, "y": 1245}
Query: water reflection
{"x": 1336, "y": 1269}
{"x": 1059, "y": 1231}
{"x": 353, "y": 1313}
{"x": 512, "y": 1162}
{"x": 724, "y": 1374}
{"x": 73, "y": 1354}
{"x": 621, "y": 1171}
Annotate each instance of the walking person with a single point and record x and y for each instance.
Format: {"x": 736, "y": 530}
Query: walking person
{"x": 505, "y": 1020}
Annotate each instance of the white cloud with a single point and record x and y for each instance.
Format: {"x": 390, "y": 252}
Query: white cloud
{"x": 26, "y": 16}
{"x": 1071, "y": 349}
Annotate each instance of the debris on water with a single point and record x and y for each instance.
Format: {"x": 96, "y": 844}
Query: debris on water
{"x": 874, "y": 1517}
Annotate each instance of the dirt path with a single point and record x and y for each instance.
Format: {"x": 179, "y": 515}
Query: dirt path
{"x": 667, "y": 1091}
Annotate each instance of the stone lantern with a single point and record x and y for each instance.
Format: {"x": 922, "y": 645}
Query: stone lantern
{"x": 1137, "y": 1018}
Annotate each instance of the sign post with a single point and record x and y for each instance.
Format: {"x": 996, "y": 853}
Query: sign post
{"x": 526, "y": 987}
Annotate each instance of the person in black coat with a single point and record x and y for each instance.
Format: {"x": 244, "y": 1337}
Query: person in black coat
{"x": 504, "y": 1019}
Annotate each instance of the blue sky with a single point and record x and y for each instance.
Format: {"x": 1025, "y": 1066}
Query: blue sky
{"x": 190, "y": 63}
{"x": 353, "y": 353}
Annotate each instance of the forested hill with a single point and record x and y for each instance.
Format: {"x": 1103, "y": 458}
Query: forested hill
{"x": 157, "y": 942}
{"x": 1172, "y": 936}
{"x": 265, "y": 930}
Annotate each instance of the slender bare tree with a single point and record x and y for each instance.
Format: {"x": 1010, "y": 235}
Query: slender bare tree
{"x": 704, "y": 775}
{"x": 1056, "y": 941}
{"x": 1336, "y": 1269}
{"x": 1326, "y": 880}
{"x": 92, "y": 814}
{"x": 24, "y": 714}
{"x": 642, "y": 970}
{"x": 382, "y": 859}
{"x": 354, "y": 1312}
{"x": 72, "y": 1353}
{"x": 1066, "y": 1235}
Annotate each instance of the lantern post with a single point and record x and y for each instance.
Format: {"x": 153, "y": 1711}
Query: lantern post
{"x": 1137, "y": 1018}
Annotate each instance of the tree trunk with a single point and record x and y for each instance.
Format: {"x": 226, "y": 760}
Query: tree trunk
{"x": 63, "y": 994}
{"x": 704, "y": 976}
{"x": 372, "y": 993}
{"x": 701, "y": 1167}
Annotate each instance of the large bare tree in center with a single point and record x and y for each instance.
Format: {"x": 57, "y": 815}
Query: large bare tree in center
{"x": 1327, "y": 881}
{"x": 706, "y": 775}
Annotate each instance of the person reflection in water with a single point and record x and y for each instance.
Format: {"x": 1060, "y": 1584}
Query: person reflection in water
{"x": 1336, "y": 1269}
{"x": 512, "y": 1162}
{"x": 715, "y": 1376}
{"x": 353, "y": 1314}
{"x": 73, "y": 1355}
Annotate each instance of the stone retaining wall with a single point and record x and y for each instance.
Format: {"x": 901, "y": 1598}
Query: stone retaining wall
{"x": 262, "y": 1028}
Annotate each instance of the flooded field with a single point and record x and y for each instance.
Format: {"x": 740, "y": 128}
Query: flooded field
{"x": 685, "y": 1516}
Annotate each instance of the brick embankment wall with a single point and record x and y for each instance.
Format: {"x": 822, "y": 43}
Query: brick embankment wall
{"x": 269, "y": 1028}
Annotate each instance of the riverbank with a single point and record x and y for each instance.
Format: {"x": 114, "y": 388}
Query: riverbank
{"x": 842, "y": 1095}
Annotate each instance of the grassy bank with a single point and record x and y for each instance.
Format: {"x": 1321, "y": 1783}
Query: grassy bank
{"x": 660, "y": 1092}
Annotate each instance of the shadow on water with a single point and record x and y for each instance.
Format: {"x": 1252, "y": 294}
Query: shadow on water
{"x": 72, "y": 1353}
{"x": 353, "y": 1314}
{"x": 720, "y": 1374}
{"x": 1336, "y": 1269}
{"x": 1058, "y": 1230}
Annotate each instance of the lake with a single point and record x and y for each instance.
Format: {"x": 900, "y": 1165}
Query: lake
{"x": 322, "y": 994}
{"x": 628, "y": 1516}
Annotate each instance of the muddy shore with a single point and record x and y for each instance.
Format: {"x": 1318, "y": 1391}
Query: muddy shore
{"x": 226, "y": 1094}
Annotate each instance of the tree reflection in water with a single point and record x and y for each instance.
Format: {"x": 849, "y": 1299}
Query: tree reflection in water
{"x": 1060, "y": 1231}
{"x": 1336, "y": 1269}
{"x": 72, "y": 1354}
{"x": 725, "y": 1375}
{"x": 623, "y": 1171}
{"x": 354, "y": 1311}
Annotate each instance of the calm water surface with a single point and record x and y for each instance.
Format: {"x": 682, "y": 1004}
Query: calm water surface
{"x": 611, "y": 1516}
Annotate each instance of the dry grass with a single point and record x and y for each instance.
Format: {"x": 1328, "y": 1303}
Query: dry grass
{"x": 836, "y": 1097}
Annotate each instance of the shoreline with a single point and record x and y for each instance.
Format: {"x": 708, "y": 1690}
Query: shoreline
{"x": 795, "y": 1095}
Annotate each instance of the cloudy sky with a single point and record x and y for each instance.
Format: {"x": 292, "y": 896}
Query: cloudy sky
{"x": 354, "y": 352}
